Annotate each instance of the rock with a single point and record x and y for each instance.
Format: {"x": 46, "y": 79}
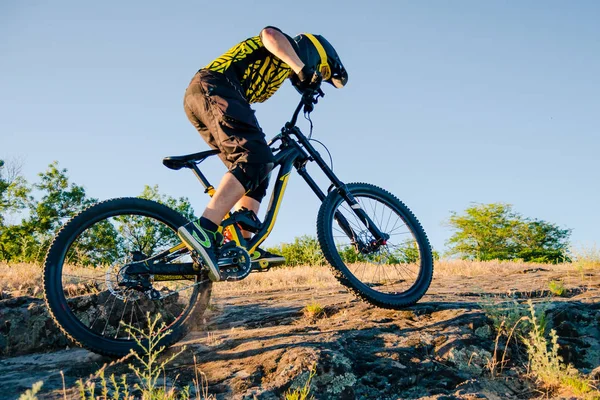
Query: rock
{"x": 334, "y": 376}
{"x": 27, "y": 327}
{"x": 436, "y": 349}
{"x": 484, "y": 332}
{"x": 595, "y": 374}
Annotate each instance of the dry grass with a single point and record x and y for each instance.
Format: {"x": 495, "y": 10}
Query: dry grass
{"x": 21, "y": 279}
{"x": 25, "y": 278}
{"x": 321, "y": 277}
{"x": 496, "y": 268}
{"x": 280, "y": 279}
{"x": 587, "y": 258}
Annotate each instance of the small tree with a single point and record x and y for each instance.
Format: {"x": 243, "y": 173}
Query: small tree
{"x": 542, "y": 241}
{"x": 14, "y": 189}
{"x": 61, "y": 199}
{"x": 111, "y": 240}
{"x": 495, "y": 231}
{"x": 147, "y": 235}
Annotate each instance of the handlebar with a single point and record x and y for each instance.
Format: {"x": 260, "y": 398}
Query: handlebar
{"x": 308, "y": 100}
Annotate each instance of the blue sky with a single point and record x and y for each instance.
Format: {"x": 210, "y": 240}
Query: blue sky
{"x": 448, "y": 103}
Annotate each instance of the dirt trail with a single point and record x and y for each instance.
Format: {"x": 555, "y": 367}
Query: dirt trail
{"x": 261, "y": 344}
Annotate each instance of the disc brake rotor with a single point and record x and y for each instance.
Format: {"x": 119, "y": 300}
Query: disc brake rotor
{"x": 114, "y": 277}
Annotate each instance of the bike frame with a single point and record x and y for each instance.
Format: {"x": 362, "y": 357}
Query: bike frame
{"x": 296, "y": 154}
{"x": 292, "y": 153}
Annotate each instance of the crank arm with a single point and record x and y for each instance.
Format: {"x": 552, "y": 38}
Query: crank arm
{"x": 227, "y": 262}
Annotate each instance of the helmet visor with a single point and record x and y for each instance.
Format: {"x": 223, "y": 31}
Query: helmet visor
{"x": 339, "y": 77}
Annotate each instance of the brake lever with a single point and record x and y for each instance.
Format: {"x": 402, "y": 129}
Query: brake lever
{"x": 275, "y": 138}
{"x": 310, "y": 99}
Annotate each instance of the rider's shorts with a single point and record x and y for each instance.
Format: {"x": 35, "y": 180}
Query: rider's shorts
{"x": 216, "y": 107}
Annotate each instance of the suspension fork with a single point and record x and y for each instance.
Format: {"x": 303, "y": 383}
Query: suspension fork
{"x": 300, "y": 158}
{"x": 380, "y": 237}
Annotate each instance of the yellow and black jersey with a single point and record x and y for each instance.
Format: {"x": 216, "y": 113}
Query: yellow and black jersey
{"x": 258, "y": 71}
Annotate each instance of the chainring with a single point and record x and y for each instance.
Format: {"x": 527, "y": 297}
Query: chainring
{"x": 237, "y": 264}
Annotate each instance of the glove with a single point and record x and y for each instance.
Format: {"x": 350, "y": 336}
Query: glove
{"x": 309, "y": 79}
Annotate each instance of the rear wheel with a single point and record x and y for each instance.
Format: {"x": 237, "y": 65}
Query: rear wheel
{"x": 88, "y": 292}
{"x": 393, "y": 275}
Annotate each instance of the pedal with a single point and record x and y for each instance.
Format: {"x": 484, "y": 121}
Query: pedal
{"x": 260, "y": 266}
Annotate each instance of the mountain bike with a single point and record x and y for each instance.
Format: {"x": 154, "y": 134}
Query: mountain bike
{"x": 121, "y": 259}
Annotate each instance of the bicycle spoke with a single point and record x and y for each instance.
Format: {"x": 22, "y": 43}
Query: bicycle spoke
{"x": 391, "y": 268}
{"x": 120, "y": 320}
{"x": 95, "y": 274}
{"x": 108, "y": 316}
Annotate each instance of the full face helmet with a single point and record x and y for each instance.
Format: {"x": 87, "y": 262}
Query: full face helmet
{"x": 315, "y": 50}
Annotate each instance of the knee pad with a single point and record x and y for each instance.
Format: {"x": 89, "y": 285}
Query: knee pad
{"x": 251, "y": 175}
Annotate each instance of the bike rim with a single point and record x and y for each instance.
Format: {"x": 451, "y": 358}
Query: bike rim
{"x": 393, "y": 269}
{"x": 91, "y": 270}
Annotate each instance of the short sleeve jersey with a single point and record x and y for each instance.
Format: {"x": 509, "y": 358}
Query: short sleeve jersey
{"x": 258, "y": 71}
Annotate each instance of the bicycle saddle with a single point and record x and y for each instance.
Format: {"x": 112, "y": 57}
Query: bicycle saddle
{"x": 178, "y": 162}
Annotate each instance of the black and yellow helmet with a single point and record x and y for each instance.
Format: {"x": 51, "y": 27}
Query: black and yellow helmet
{"x": 316, "y": 51}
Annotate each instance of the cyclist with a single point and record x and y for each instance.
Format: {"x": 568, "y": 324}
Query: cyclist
{"x": 217, "y": 102}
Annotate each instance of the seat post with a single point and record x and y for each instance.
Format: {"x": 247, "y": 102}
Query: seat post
{"x": 208, "y": 188}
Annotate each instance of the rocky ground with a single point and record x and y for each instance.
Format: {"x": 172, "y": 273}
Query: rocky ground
{"x": 259, "y": 345}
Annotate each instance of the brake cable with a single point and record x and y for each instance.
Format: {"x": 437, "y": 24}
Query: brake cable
{"x": 307, "y": 117}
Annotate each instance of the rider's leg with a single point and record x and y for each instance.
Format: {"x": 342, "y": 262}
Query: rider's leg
{"x": 252, "y": 201}
{"x": 203, "y": 235}
{"x": 230, "y": 192}
{"x": 226, "y": 122}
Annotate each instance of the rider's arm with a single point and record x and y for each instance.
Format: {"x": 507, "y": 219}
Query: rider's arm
{"x": 278, "y": 44}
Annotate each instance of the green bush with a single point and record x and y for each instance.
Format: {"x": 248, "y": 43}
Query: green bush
{"x": 305, "y": 250}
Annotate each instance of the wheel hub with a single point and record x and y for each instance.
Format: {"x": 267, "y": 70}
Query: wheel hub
{"x": 121, "y": 285}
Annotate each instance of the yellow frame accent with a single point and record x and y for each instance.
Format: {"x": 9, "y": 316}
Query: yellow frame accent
{"x": 211, "y": 191}
{"x": 180, "y": 246}
{"x": 284, "y": 179}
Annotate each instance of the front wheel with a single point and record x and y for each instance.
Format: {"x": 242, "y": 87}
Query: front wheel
{"x": 89, "y": 292}
{"x": 393, "y": 274}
